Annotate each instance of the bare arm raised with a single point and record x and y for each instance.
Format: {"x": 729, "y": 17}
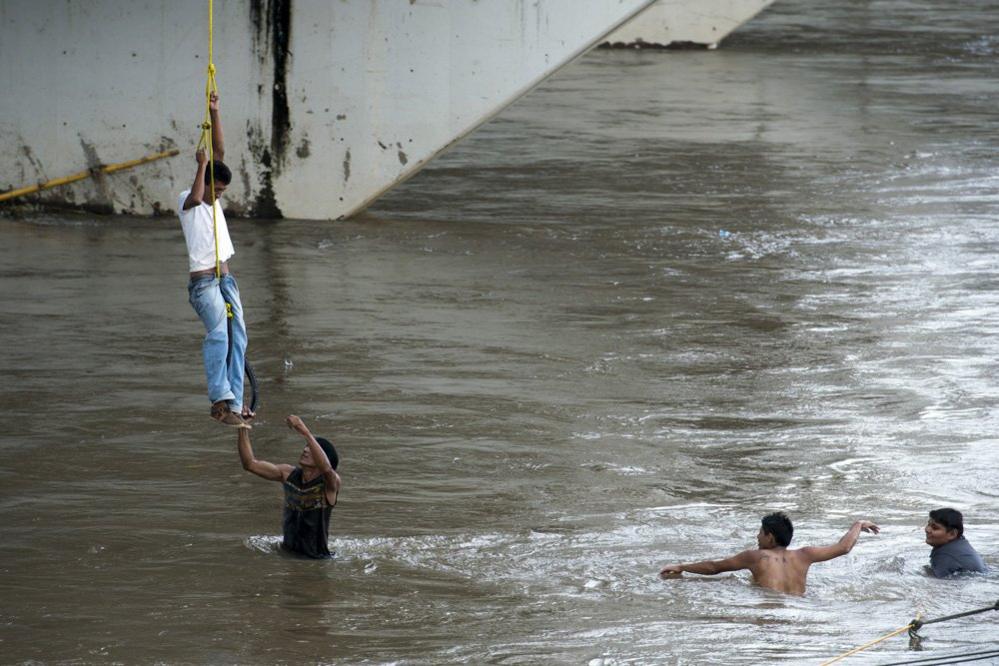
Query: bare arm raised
{"x": 197, "y": 193}
{"x": 262, "y": 468}
{"x": 322, "y": 463}
{"x": 218, "y": 144}
{"x": 841, "y": 547}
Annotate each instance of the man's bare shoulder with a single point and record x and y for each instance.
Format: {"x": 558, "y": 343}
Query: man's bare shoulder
{"x": 747, "y": 559}
{"x": 798, "y": 559}
{"x": 782, "y": 555}
{"x": 752, "y": 556}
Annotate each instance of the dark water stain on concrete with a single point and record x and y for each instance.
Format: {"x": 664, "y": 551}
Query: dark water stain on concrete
{"x": 264, "y": 203}
{"x": 303, "y": 148}
{"x": 98, "y": 177}
{"x": 36, "y": 164}
{"x": 280, "y": 111}
{"x": 271, "y": 20}
{"x": 244, "y": 177}
{"x": 657, "y": 46}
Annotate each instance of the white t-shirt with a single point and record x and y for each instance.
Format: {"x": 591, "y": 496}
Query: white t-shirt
{"x": 199, "y": 232}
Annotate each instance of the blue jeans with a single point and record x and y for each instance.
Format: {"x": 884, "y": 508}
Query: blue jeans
{"x": 223, "y": 357}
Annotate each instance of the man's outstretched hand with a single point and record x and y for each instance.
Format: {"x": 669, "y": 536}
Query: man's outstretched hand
{"x": 296, "y": 424}
{"x": 868, "y": 526}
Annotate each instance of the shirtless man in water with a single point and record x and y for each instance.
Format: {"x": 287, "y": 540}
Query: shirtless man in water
{"x": 772, "y": 564}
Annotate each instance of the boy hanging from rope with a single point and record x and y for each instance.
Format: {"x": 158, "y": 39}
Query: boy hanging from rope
{"x": 212, "y": 289}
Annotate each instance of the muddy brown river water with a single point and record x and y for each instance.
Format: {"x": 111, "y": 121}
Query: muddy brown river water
{"x": 663, "y": 294}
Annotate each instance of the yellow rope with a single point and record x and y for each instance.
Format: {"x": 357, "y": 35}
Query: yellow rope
{"x": 206, "y": 133}
{"x": 206, "y": 141}
{"x": 867, "y": 645}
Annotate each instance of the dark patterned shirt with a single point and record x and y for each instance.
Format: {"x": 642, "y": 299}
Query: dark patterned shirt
{"x": 306, "y": 516}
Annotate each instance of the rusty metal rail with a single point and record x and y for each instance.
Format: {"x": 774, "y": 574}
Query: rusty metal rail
{"x": 101, "y": 168}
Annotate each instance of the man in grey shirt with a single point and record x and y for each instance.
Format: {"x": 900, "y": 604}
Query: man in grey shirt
{"x": 951, "y": 552}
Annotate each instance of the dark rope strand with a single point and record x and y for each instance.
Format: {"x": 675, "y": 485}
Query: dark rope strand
{"x": 919, "y": 623}
{"x": 946, "y": 659}
{"x": 915, "y": 639}
{"x": 934, "y": 661}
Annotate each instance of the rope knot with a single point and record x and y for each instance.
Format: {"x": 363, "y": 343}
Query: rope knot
{"x": 915, "y": 640}
{"x": 211, "y": 68}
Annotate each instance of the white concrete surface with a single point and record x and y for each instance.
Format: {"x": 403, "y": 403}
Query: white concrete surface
{"x": 371, "y": 90}
{"x": 706, "y": 22}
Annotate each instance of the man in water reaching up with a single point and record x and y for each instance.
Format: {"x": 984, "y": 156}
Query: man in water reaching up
{"x": 310, "y": 489}
{"x": 772, "y": 564}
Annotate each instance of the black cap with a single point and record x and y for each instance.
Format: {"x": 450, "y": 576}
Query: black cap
{"x": 328, "y": 448}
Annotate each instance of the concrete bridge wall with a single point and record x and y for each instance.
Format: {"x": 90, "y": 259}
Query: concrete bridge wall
{"x": 325, "y": 105}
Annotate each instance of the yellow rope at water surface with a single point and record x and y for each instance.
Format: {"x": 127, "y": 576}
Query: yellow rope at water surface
{"x": 206, "y": 136}
{"x": 870, "y": 644}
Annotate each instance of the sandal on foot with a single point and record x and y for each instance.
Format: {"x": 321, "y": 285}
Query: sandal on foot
{"x": 224, "y": 415}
